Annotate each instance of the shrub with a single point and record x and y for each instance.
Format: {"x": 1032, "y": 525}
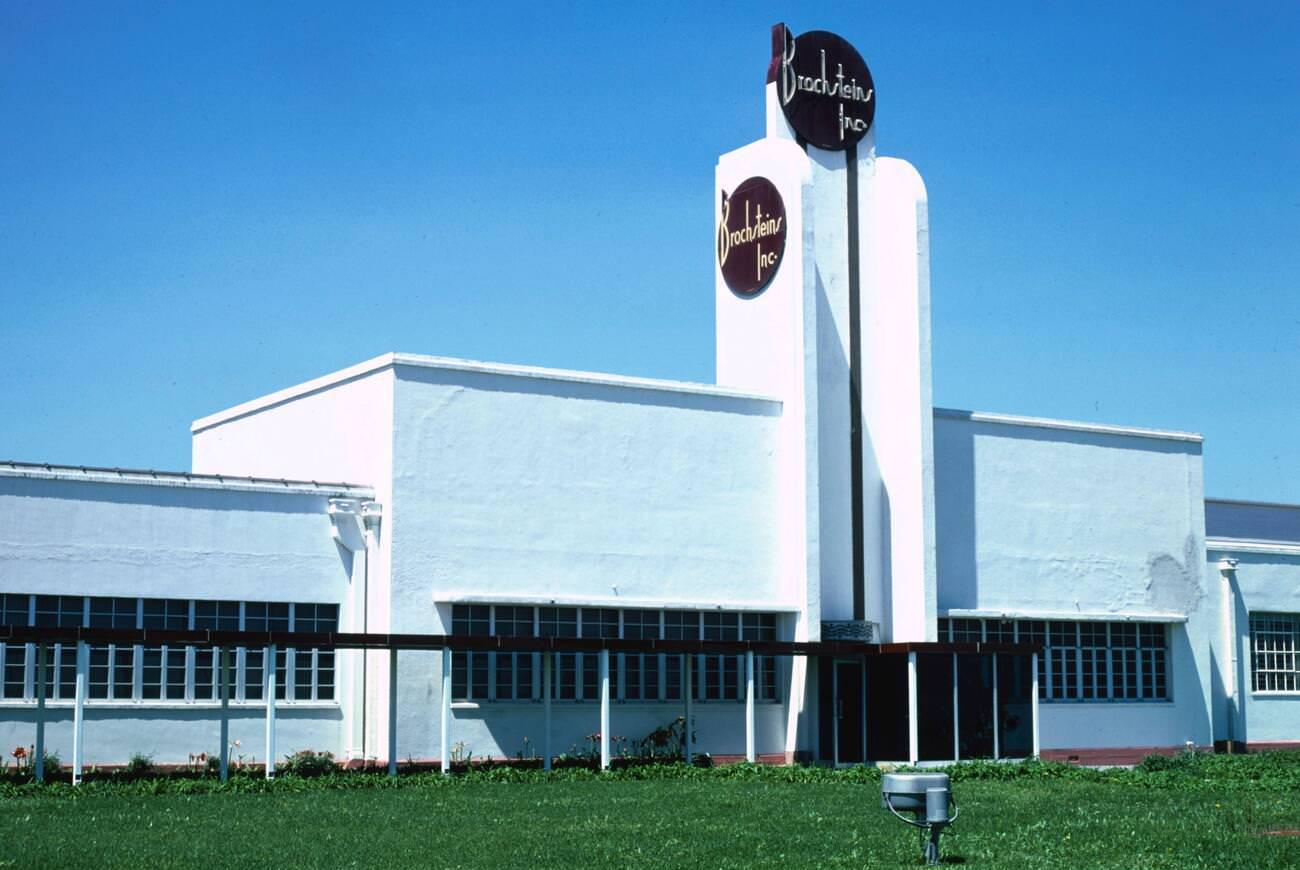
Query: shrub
{"x": 139, "y": 767}
{"x": 309, "y": 763}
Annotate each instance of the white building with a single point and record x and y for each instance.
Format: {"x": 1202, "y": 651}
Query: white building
{"x": 814, "y": 492}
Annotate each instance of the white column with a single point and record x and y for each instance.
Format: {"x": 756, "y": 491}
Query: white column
{"x": 913, "y": 751}
{"x": 392, "y": 712}
{"x": 688, "y": 750}
{"x": 42, "y": 651}
{"x": 956, "y": 722}
{"x": 223, "y": 679}
{"x": 1033, "y": 695}
{"x": 79, "y": 712}
{"x": 269, "y": 669}
{"x": 604, "y": 709}
{"x": 546, "y": 709}
{"x": 445, "y": 748}
{"x": 749, "y": 706}
{"x": 996, "y": 712}
{"x": 1231, "y": 643}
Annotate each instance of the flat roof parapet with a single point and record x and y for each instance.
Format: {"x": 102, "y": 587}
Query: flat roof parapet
{"x": 1067, "y": 425}
{"x": 153, "y": 477}
{"x": 395, "y": 360}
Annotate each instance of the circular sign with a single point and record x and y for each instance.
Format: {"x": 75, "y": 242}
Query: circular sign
{"x": 751, "y": 236}
{"x": 824, "y": 88}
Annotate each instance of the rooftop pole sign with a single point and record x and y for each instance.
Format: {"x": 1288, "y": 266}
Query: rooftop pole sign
{"x": 823, "y": 86}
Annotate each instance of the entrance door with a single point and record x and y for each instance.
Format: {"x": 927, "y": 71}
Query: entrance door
{"x": 850, "y": 712}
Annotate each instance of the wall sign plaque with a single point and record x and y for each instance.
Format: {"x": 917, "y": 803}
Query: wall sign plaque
{"x": 824, "y": 87}
{"x": 751, "y": 236}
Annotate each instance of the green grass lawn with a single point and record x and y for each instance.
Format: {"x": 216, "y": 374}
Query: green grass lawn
{"x": 707, "y": 823}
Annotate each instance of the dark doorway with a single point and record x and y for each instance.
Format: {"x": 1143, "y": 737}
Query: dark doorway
{"x": 975, "y": 705}
{"x": 934, "y": 697}
{"x": 1015, "y": 706}
{"x": 850, "y": 721}
{"x": 887, "y": 722}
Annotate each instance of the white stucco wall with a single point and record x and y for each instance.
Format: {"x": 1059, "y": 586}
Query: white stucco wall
{"x": 1043, "y": 519}
{"x": 92, "y": 538}
{"x": 336, "y": 428}
{"x": 527, "y": 487}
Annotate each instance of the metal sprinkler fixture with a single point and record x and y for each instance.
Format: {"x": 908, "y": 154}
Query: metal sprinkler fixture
{"x": 928, "y": 796}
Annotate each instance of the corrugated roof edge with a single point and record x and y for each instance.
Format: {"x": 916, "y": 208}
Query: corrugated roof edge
{"x": 1068, "y": 425}
{"x": 392, "y": 360}
{"x": 152, "y": 477}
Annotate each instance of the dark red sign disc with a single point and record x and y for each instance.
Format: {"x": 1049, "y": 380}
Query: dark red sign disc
{"x": 751, "y": 236}
{"x": 823, "y": 86}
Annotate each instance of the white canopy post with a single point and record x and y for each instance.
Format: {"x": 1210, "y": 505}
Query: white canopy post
{"x": 445, "y": 747}
{"x": 913, "y": 741}
{"x": 79, "y": 712}
{"x": 38, "y": 771}
{"x": 956, "y": 722}
{"x": 392, "y": 712}
{"x": 546, "y": 709}
{"x": 997, "y": 714}
{"x": 1033, "y": 697}
{"x": 688, "y": 747}
{"x": 604, "y": 709}
{"x": 223, "y": 680}
{"x": 269, "y": 667}
{"x": 750, "y": 755}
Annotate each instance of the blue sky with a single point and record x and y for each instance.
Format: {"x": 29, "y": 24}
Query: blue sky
{"x": 202, "y": 204}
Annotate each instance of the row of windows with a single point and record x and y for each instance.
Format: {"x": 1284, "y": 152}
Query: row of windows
{"x": 166, "y": 673}
{"x": 1082, "y": 660}
{"x": 1275, "y": 652}
{"x": 501, "y": 676}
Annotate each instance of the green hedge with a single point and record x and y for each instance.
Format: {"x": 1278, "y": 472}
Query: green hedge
{"x": 1272, "y": 770}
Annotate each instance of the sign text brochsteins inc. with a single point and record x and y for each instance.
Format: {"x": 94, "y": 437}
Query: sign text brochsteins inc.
{"x": 825, "y": 89}
{"x": 751, "y": 235}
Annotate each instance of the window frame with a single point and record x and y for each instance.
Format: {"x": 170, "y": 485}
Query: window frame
{"x": 121, "y": 668}
{"x": 1287, "y": 649}
{"x": 574, "y": 672}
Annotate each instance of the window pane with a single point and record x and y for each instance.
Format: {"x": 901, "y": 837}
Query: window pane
{"x": 175, "y": 664}
{"x": 98, "y": 675}
{"x": 557, "y": 621}
{"x": 13, "y": 609}
{"x": 302, "y": 674}
{"x": 15, "y": 670}
{"x": 253, "y": 675}
{"x": 62, "y": 611}
{"x": 470, "y": 619}
{"x": 514, "y": 621}
{"x": 681, "y": 625}
{"x": 599, "y": 622}
{"x": 324, "y": 676}
{"x": 999, "y": 631}
{"x": 113, "y": 613}
{"x": 169, "y": 614}
{"x": 204, "y": 674}
{"x": 216, "y": 615}
{"x": 967, "y": 631}
{"x": 151, "y": 675}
